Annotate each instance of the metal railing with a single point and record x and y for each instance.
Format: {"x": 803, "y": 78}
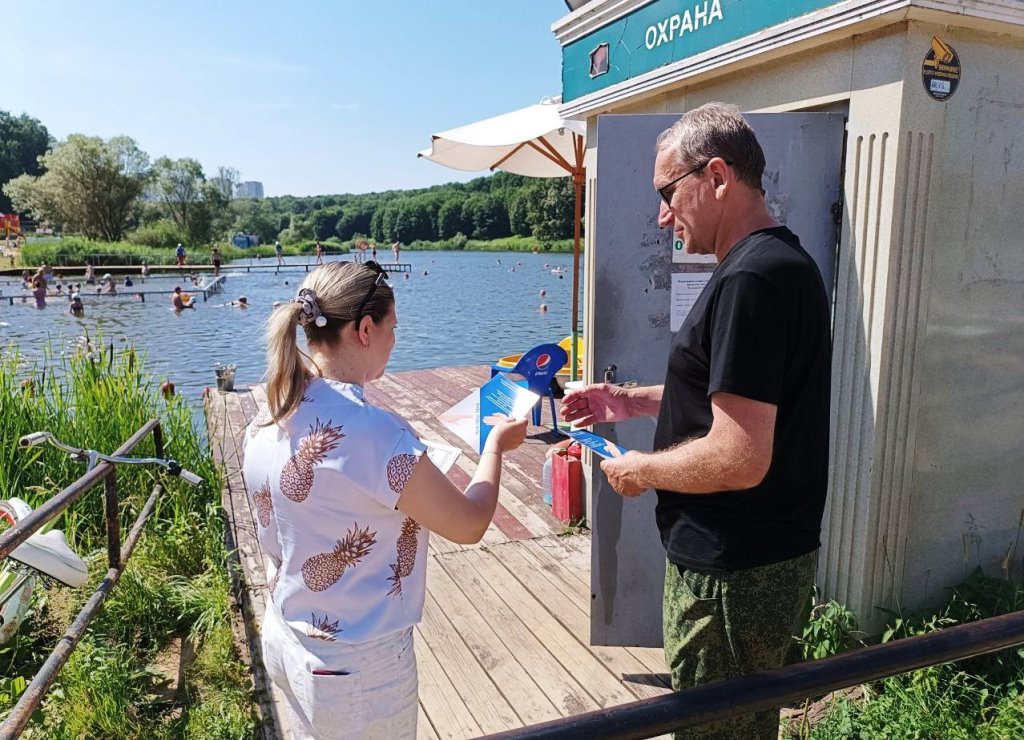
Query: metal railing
{"x": 133, "y": 292}
{"x": 118, "y": 554}
{"x": 771, "y": 689}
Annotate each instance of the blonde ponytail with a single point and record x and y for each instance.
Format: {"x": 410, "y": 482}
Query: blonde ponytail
{"x": 287, "y": 373}
{"x": 342, "y": 292}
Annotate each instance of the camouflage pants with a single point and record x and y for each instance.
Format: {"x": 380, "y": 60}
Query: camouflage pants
{"x": 723, "y": 625}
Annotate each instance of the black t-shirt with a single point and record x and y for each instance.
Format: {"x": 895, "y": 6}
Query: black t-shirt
{"x": 760, "y": 329}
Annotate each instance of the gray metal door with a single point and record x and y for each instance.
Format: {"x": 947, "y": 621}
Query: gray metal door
{"x": 632, "y": 319}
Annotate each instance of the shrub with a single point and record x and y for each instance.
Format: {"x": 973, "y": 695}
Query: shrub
{"x": 162, "y": 233}
{"x": 73, "y": 250}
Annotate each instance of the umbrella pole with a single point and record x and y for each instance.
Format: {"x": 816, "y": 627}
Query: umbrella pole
{"x": 577, "y": 179}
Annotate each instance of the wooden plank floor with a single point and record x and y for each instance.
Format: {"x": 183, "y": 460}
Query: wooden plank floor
{"x": 504, "y": 640}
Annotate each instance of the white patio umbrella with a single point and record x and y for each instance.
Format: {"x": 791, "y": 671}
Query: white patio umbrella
{"x": 535, "y": 142}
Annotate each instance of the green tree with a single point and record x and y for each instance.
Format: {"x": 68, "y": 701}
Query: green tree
{"x": 324, "y": 221}
{"x": 488, "y": 215}
{"x": 226, "y": 181}
{"x": 88, "y": 185}
{"x": 179, "y": 185}
{"x": 300, "y": 226}
{"x": 355, "y": 220}
{"x": 258, "y": 217}
{"x": 553, "y": 219}
{"x": 23, "y": 140}
{"x": 412, "y": 222}
{"x": 449, "y": 218}
{"x": 385, "y": 224}
{"x": 519, "y": 221}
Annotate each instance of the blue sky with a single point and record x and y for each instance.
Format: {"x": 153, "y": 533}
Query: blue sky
{"x": 307, "y": 97}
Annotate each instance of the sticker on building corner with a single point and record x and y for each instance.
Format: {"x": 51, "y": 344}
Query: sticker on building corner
{"x": 940, "y": 72}
{"x": 680, "y": 255}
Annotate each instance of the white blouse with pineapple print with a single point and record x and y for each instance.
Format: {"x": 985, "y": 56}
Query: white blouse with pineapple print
{"x": 343, "y": 564}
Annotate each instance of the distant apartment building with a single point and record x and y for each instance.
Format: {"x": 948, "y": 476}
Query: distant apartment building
{"x": 222, "y": 184}
{"x": 250, "y": 189}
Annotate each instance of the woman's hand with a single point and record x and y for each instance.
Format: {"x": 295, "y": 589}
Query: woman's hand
{"x": 506, "y": 434}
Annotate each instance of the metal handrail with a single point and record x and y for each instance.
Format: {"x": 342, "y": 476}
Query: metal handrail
{"x": 771, "y": 689}
{"x": 118, "y": 554}
{"x": 57, "y": 504}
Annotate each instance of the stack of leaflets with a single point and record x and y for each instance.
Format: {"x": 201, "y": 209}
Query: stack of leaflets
{"x": 599, "y": 445}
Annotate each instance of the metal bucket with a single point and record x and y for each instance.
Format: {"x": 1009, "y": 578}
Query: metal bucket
{"x": 225, "y": 378}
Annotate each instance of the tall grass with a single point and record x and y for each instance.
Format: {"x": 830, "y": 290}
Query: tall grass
{"x": 73, "y": 250}
{"x": 505, "y": 244}
{"x": 979, "y": 698}
{"x": 175, "y": 586}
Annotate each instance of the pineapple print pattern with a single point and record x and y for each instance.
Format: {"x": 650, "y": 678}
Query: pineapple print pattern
{"x": 320, "y": 628}
{"x": 264, "y": 506}
{"x": 272, "y": 586}
{"x": 400, "y": 469}
{"x": 322, "y": 571}
{"x": 297, "y": 474}
{"x": 406, "y": 555}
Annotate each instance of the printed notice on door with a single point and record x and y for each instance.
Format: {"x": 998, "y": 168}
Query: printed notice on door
{"x": 686, "y": 286}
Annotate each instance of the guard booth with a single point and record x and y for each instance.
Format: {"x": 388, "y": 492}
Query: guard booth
{"x": 894, "y": 138}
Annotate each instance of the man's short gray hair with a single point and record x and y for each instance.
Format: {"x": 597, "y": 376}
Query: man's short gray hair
{"x": 716, "y": 130}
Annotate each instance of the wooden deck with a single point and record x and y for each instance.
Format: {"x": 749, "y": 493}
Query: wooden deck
{"x": 504, "y": 640}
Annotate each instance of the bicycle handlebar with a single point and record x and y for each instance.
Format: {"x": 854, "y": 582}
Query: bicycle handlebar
{"x": 36, "y": 438}
{"x": 92, "y": 456}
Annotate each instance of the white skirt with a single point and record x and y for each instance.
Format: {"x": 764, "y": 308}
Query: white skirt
{"x": 338, "y": 690}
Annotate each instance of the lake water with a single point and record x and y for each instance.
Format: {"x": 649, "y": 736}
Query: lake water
{"x": 456, "y": 308}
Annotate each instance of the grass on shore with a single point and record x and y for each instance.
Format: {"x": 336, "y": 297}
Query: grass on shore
{"x": 175, "y": 590}
{"x": 73, "y": 251}
{"x": 979, "y": 698}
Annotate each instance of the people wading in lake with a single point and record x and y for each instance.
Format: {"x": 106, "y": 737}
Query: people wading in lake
{"x": 180, "y": 300}
{"x": 344, "y": 497}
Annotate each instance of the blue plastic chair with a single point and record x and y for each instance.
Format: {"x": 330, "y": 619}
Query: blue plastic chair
{"x": 538, "y": 368}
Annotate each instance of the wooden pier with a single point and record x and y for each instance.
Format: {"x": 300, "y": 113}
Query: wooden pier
{"x": 268, "y": 263}
{"x": 131, "y": 292}
{"x": 504, "y": 640}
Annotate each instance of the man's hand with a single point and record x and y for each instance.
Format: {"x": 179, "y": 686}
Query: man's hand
{"x": 624, "y": 474}
{"x": 596, "y": 403}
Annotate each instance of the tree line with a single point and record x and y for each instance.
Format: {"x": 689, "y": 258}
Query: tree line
{"x": 110, "y": 189}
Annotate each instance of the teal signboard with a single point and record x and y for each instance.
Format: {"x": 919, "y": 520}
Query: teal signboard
{"x": 667, "y": 31}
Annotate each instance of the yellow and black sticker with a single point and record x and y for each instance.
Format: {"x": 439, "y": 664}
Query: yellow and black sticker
{"x": 940, "y": 71}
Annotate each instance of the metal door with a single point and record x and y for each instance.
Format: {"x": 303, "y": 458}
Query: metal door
{"x": 631, "y": 306}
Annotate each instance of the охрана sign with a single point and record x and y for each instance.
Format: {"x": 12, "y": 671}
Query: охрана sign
{"x": 667, "y": 31}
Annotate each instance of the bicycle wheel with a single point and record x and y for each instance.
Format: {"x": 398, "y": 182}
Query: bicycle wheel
{"x": 15, "y": 594}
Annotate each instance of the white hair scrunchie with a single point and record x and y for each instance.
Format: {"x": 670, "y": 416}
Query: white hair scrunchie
{"x": 310, "y": 308}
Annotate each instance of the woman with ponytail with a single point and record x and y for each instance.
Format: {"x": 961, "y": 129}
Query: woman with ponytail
{"x": 345, "y": 495}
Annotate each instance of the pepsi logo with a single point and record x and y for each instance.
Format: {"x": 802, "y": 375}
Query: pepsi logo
{"x": 543, "y": 361}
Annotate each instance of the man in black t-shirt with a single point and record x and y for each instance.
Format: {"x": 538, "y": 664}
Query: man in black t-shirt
{"x": 740, "y": 457}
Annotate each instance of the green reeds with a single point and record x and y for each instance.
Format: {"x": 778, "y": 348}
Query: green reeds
{"x": 175, "y": 589}
{"x": 979, "y": 698}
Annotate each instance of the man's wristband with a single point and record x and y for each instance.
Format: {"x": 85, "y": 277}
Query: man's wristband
{"x": 490, "y": 452}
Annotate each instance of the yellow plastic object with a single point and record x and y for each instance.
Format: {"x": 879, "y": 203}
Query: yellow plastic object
{"x": 509, "y": 361}
{"x": 566, "y": 344}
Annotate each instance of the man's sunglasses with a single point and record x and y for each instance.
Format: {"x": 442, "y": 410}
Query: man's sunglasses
{"x": 667, "y": 191}
{"x": 382, "y": 279}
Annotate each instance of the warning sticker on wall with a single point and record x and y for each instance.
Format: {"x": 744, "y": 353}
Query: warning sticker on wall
{"x": 940, "y": 71}
{"x": 686, "y": 288}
